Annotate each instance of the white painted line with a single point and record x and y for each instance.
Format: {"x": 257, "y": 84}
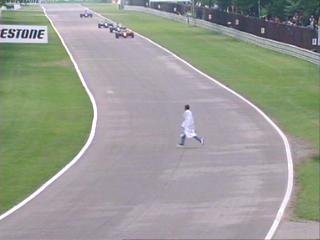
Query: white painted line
{"x": 287, "y": 195}
{"x": 84, "y": 148}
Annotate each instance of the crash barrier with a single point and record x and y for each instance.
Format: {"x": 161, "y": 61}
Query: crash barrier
{"x": 142, "y": 3}
{"x": 229, "y": 31}
{"x": 178, "y": 8}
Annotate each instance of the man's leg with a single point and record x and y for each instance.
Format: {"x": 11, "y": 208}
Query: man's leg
{"x": 183, "y": 139}
{"x": 200, "y": 140}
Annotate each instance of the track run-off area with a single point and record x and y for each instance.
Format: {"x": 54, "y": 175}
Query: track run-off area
{"x": 133, "y": 182}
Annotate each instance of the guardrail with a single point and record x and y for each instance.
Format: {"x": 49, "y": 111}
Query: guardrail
{"x": 247, "y": 37}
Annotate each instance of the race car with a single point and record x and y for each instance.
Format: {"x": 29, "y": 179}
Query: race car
{"x": 105, "y": 24}
{"x": 124, "y": 33}
{"x": 116, "y": 27}
{"x": 86, "y": 14}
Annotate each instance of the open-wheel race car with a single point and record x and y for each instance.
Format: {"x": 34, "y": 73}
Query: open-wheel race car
{"x": 124, "y": 32}
{"x": 105, "y": 24}
{"x": 116, "y": 27}
{"x": 86, "y": 14}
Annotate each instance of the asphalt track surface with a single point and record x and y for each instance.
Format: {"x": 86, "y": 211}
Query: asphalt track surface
{"x": 133, "y": 182}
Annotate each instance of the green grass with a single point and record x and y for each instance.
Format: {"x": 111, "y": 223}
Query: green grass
{"x": 286, "y": 88}
{"x": 45, "y": 113}
{"x": 309, "y": 194}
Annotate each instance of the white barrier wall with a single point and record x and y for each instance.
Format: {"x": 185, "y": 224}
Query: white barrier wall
{"x": 262, "y": 42}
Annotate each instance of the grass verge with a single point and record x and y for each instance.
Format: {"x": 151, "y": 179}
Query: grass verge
{"x": 45, "y": 113}
{"x": 308, "y": 196}
{"x": 285, "y": 87}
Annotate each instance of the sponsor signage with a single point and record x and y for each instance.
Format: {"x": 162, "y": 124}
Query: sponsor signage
{"x": 314, "y": 41}
{"x": 23, "y": 34}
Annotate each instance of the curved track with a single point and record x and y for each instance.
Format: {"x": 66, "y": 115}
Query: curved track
{"x": 132, "y": 182}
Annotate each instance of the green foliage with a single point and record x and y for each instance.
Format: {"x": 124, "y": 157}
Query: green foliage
{"x": 276, "y": 8}
{"x": 280, "y": 8}
{"x": 206, "y": 2}
{"x": 247, "y": 7}
{"x": 307, "y": 7}
{"x": 224, "y": 4}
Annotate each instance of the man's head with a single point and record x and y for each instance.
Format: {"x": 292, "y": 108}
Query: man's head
{"x": 186, "y": 107}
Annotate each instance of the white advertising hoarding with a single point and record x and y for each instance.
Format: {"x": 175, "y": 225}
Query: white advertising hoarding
{"x": 23, "y": 34}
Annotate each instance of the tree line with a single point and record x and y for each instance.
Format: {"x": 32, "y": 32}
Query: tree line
{"x": 279, "y": 9}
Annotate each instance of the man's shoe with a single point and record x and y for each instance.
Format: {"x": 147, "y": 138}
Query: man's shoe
{"x": 202, "y": 141}
{"x": 180, "y": 145}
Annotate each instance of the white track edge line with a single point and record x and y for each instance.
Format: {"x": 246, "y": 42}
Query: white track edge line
{"x": 287, "y": 195}
{"x": 84, "y": 148}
